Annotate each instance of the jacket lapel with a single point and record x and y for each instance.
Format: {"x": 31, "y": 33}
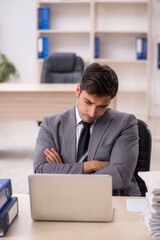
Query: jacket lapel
{"x": 69, "y": 133}
{"x": 98, "y": 132}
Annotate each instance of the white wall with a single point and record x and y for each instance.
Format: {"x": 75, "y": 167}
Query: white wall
{"x": 18, "y": 34}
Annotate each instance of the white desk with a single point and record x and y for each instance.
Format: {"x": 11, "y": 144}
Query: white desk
{"x": 125, "y": 226}
{"x": 34, "y": 101}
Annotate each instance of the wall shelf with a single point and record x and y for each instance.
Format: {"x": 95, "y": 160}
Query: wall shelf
{"x": 50, "y": 31}
{"x": 74, "y": 26}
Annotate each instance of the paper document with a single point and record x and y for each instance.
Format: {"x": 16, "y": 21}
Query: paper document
{"x": 135, "y": 205}
{"x": 152, "y": 180}
{"x": 151, "y": 213}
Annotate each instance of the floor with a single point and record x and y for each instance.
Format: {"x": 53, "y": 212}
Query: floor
{"x": 17, "y": 143}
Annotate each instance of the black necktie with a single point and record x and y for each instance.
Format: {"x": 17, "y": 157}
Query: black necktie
{"x": 82, "y": 152}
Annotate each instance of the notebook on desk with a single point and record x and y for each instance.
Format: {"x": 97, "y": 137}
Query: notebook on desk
{"x": 56, "y": 197}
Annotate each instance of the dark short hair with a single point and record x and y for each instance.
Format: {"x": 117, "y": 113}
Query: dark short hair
{"x": 100, "y": 80}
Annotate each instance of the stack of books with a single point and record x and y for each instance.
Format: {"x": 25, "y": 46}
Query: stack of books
{"x": 151, "y": 213}
{"x": 8, "y": 206}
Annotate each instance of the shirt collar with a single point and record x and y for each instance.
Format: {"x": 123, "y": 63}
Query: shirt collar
{"x": 78, "y": 118}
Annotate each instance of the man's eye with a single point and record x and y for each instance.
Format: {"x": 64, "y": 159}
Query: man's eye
{"x": 102, "y": 107}
{"x": 87, "y": 102}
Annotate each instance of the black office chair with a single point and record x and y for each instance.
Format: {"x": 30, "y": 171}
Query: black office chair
{"x": 143, "y": 164}
{"x": 62, "y": 68}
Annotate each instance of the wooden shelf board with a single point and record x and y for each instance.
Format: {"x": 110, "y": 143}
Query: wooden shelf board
{"x": 111, "y": 60}
{"x": 88, "y": 1}
{"x": 50, "y": 31}
{"x": 121, "y": 1}
{"x": 64, "y": 2}
{"x": 115, "y": 31}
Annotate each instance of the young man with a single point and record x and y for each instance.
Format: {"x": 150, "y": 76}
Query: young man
{"x": 113, "y": 143}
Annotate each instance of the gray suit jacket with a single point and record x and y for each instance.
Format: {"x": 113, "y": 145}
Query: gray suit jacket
{"x": 114, "y": 138}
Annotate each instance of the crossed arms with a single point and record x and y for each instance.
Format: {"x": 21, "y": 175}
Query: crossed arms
{"x": 91, "y": 166}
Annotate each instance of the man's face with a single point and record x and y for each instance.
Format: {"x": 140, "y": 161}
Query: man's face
{"x": 91, "y": 107}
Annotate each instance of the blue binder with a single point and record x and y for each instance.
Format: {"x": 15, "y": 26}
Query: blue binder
{"x": 43, "y": 47}
{"x": 5, "y": 191}
{"x": 8, "y": 214}
{"x": 158, "y": 54}
{"x": 39, "y": 18}
{"x": 97, "y": 47}
{"x": 144, "y": 48}
{"x": 141, "y": 48}
{"x": 40, "y": 47}
{"x": 45, "y": 18}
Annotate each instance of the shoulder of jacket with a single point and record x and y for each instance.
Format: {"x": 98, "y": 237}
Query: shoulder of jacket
{"x": 119, "y": 114}
{"x": 58, "y": 116}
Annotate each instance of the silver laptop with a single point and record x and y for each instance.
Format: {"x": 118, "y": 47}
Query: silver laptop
{"x": 56, "y": 197}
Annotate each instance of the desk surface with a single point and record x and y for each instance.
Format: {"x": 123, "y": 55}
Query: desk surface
{"x": 37, "y": 87}
{"x": 125, "y": 226}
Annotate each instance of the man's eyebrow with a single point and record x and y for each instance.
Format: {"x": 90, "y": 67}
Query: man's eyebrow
{"x": 86, "y": 99}
{"x": 101, "y": 105}
{"x": 105, "y": 105}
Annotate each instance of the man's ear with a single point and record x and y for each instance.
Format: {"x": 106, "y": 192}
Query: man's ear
{"x": 78, "y": 90}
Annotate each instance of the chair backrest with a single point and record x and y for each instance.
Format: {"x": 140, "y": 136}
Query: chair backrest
{"x": 145, "y": 144}
{"x": 62, "y": 68}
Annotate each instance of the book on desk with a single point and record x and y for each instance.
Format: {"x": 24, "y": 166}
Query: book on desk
{"x": 8, "y": 206}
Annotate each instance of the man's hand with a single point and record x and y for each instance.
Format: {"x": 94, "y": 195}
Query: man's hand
{"x": 94, "y": 165}
{"x": 52, "y": 156}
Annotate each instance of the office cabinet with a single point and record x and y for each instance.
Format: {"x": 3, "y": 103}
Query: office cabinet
{"x": 74, "y": 26}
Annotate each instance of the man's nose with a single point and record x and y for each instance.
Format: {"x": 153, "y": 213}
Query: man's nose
{"x": 92, "y": 111}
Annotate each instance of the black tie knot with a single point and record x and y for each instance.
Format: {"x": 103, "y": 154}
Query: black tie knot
{"x": 86, "y": 125}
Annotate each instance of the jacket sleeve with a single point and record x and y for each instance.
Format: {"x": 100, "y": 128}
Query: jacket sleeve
{"x": 46, "y": 140}
{"x": 124, "y": 155}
